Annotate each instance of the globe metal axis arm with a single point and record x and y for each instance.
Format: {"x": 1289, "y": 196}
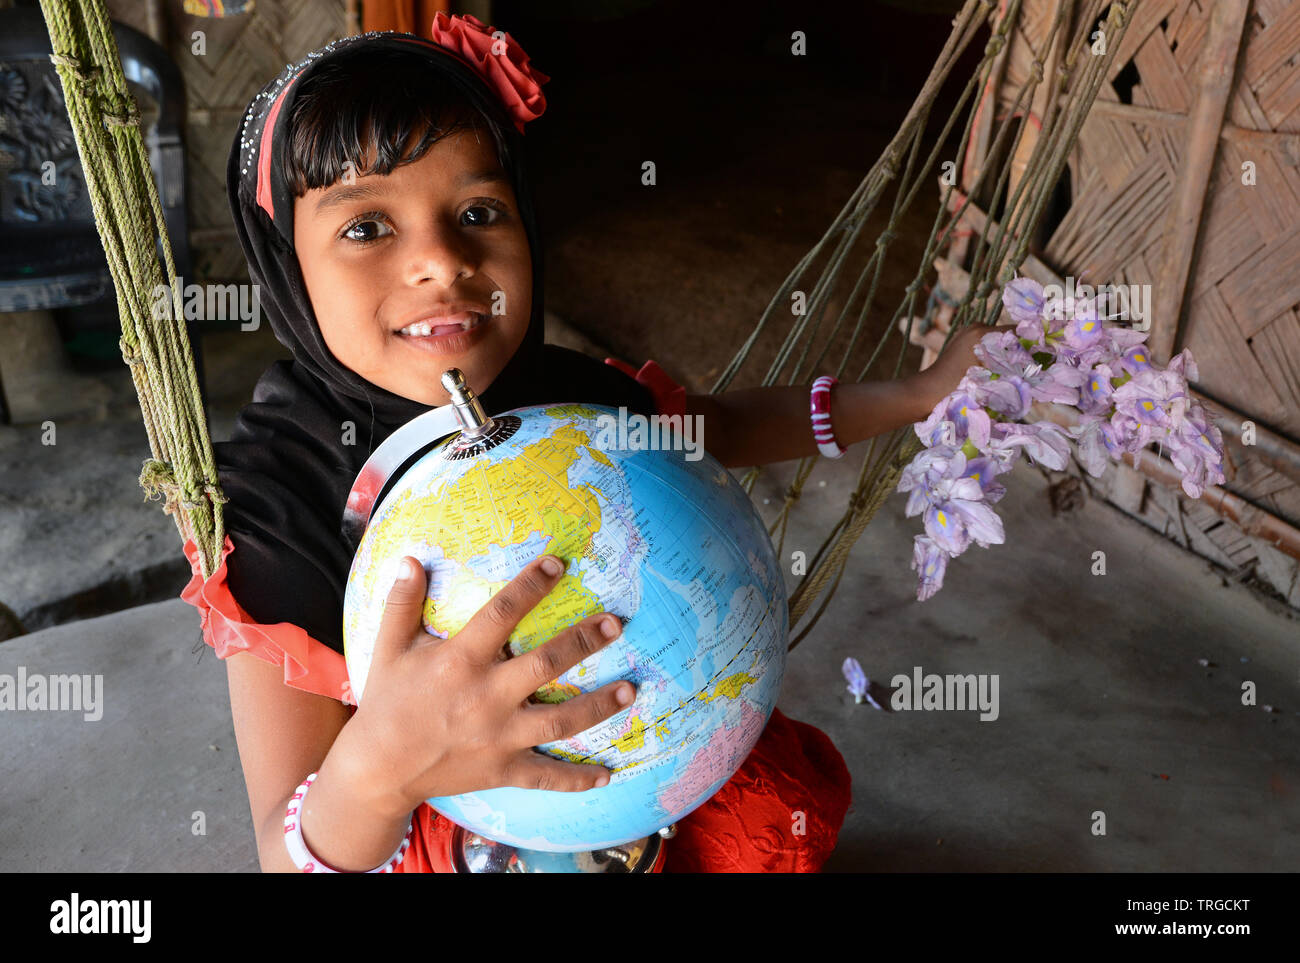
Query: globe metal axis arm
{"x": 465, "y": 414}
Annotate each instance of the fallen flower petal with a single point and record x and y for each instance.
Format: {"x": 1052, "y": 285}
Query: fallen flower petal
{"x": 857, "y": 679}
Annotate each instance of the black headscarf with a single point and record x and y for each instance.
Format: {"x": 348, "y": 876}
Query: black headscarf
{"x": 285, "y": 470}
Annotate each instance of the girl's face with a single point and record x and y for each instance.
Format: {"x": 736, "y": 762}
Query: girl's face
{"x": 438, "y": 241}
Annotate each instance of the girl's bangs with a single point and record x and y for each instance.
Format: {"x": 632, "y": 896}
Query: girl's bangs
{"x": 375, "y": 110}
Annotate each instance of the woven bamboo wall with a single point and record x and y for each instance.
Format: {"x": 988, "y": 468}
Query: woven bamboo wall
{"x": 1201, "y": 96}
{"x": 240, "y": 54}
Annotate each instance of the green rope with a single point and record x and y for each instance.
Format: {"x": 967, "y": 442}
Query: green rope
{"x": 106, "y": 124}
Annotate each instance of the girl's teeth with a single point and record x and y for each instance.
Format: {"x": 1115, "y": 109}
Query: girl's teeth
{"x": 424, "y": 329}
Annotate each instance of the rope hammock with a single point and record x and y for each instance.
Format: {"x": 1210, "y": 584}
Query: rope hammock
{"x": 106, "y": 124}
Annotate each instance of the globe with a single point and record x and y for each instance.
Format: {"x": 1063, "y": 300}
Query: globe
{"x": 664, "y": 538}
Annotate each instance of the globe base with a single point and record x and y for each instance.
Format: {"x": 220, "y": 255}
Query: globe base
{"x": 472, "y": 853}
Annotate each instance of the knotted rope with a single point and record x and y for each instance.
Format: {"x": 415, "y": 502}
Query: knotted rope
{"x": 106, "y": 124}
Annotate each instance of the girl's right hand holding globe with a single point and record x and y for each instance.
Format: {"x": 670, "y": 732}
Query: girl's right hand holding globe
{"x": 448, "y": 716}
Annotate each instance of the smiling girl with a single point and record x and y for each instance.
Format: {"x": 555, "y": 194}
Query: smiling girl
{"x": 381, "y": 201}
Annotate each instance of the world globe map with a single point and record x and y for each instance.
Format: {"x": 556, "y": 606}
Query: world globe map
{"x": 671, "y": 545}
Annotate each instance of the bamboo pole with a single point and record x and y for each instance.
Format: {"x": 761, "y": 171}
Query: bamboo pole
{"x": 1042, "y": 99}
{"x": 1250, "y": 519}
{"x": 1205, "y": 121}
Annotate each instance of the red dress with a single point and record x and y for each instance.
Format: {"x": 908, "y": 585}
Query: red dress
{"x": 780, "y": 812}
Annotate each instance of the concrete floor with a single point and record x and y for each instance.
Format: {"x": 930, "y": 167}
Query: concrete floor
{"x": 1104, "y": 705}
{"x": 1104, "y": 702}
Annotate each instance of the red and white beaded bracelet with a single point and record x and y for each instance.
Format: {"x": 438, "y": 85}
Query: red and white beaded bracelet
{"x": 823, "y": 432}
{"x": 297, "y": 846}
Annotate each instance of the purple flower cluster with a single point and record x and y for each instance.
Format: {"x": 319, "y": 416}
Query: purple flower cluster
{"x": 1059, "y": 352}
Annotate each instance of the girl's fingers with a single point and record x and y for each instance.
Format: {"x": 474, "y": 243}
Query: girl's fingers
{"x": 485, "y": 634}
{"x": 527, "y": 673}
{"x": 403, "y": 610}
{"x": 532, "y": 770}
{"x": 538, "y": 724}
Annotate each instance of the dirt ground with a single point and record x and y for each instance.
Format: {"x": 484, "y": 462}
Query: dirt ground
{"x": 755, "y": 152}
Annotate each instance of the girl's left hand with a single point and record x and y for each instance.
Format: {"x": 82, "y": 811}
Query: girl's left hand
{"x": 959, "y": 354}
{"x": 940, "y": 379}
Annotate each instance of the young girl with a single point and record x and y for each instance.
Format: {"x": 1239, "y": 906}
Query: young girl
{"x": 381, "y": 201}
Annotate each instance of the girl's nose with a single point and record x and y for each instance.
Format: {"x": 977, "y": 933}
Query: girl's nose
{"x": 440, "y": 254}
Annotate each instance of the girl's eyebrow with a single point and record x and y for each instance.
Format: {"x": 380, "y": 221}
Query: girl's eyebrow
{"x": 491, "y": 174}
{"x": 341, "y": 195}
{"x": 344, "y": 194}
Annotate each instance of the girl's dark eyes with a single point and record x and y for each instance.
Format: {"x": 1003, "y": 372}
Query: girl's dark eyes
{"x": 373, "y": 221}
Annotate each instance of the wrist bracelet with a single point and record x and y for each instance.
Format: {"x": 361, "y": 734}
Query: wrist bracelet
{"x": 823, "y": 432}
{"x": 297, "y": 846}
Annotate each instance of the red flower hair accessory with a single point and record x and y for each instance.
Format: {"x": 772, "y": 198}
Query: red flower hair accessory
{"x": 499, "y": 60}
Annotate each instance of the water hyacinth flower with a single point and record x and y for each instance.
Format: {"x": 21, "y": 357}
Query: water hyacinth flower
{"x": 1062, "y": 353}
{"x": 857, "y": 679}
{"x": 1143, "y": 398}
{"x": 1002, "y": 353}
{"x": 968, "y": 417}
{"x": 929, "y": 562}
{"x": 859, "y": 684}
{"x": 929, "y": 465}
{"x": 1094, "y": 439}
{"x": 1105, "y": 350}
{"x": 957, "y": 515}
{"x": 1135, "y": 360}
{"x": 1083, "y": 332}
{"x": 1023, "y": 299}
{"x": 1130, "y": 434}
{"x": 1096, "y": 391}
{"x": 984, "y": 470}
{"x": 1045, "y": 442}
{"x": 926, "y": 496}
{"x": 937, "y": 431}
{"x": 1008, "y": 395}
{"x": 1059, "y": 383}
{"x": 1172, "y": 387}
{"x": 958, "y": 417}
{"x": 1198, "y": 453}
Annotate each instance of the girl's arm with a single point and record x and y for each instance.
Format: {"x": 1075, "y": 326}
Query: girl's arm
{"x": 283, "y": 734}
{"x": 758, "y": 426}
{"x": 441, "y": 717}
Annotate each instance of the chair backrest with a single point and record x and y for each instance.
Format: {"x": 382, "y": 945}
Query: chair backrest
{"x": 52, "y": 256}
